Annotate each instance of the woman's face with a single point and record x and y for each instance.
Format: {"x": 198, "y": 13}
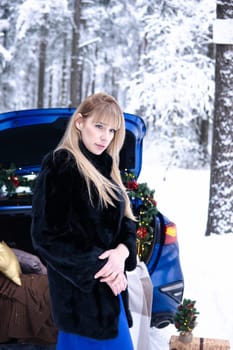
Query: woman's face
{"x": 96, "y": 135}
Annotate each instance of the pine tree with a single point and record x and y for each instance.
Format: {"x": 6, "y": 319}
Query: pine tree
{"x": 186, "y": 315}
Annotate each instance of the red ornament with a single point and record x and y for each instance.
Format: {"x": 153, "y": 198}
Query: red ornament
{"x": 141, "y": 232}
{"x": 15, "y": 181}
{"x": 152, "y": 201}
{"x": 132, "y": 185}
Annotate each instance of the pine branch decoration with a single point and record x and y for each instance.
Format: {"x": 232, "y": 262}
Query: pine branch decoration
{"x": 144, "y": 208}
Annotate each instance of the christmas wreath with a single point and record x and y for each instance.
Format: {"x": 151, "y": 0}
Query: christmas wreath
{"x": 11, "y": 180}
{"x": 145, "y": 208}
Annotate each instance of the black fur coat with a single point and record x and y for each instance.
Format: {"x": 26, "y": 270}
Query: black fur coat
{"x": 70, "y": 234}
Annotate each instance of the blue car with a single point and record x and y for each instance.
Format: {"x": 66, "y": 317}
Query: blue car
{"x": 25, "y": 137}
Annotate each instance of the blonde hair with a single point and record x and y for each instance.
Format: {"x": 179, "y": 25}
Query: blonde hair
{"x": 103, "y": 107}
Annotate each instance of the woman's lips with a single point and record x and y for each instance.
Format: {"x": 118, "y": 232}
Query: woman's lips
{"x": 100, "y": 146}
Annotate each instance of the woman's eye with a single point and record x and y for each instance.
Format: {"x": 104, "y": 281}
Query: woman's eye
{"x": 99, "y": 126}
{"x": 113, "y": 131}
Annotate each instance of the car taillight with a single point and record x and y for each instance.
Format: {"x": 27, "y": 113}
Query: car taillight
{"x": 170, "y": 233}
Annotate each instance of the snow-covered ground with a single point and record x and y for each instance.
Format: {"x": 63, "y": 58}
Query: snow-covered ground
{"x": 182, "y": 195}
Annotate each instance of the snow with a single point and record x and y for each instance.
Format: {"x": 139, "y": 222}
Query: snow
{"x": 223, "y": 31}
{"x": 5, "y": 53}
{"x": 182, "y": 195}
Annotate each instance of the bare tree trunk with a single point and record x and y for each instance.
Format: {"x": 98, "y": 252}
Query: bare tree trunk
{"x": 50, "y": 94}
{"x": 4, "y": 66}
{"x": 220, "y": 214}
{"x": 115, "y": 82}
{"x": 94, "y": 70}
{"x": 203, "y": 126}
{"x": 76, "y": 59}
{"x": 63, "y": 94}
{"x": 42, "y": 63}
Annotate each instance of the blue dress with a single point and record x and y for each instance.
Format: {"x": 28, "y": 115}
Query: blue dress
{"x": 70, "y": 341}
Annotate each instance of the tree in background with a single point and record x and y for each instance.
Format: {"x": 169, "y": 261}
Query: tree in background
{"x": 42, "y": 60}
{"x": 220, "y": 214}
{"x": 111, "y": 35}
{"x": 29, "y": 70}
{"x": 174, "y": 86}
{"x": 7, "y": 34}
{"x": 76, "y": 65}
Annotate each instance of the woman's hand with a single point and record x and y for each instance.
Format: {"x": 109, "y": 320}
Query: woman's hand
{"x": 115, "y": 264}
{"x": 118, "y": 284}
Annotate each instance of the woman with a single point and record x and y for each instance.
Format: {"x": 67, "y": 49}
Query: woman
{"x": 83, "y": 227}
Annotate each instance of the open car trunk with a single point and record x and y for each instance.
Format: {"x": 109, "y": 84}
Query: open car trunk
{"x": 25, "y": 137}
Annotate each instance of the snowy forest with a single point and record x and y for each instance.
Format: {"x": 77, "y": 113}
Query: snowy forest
{"x": 157, "y": 57}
